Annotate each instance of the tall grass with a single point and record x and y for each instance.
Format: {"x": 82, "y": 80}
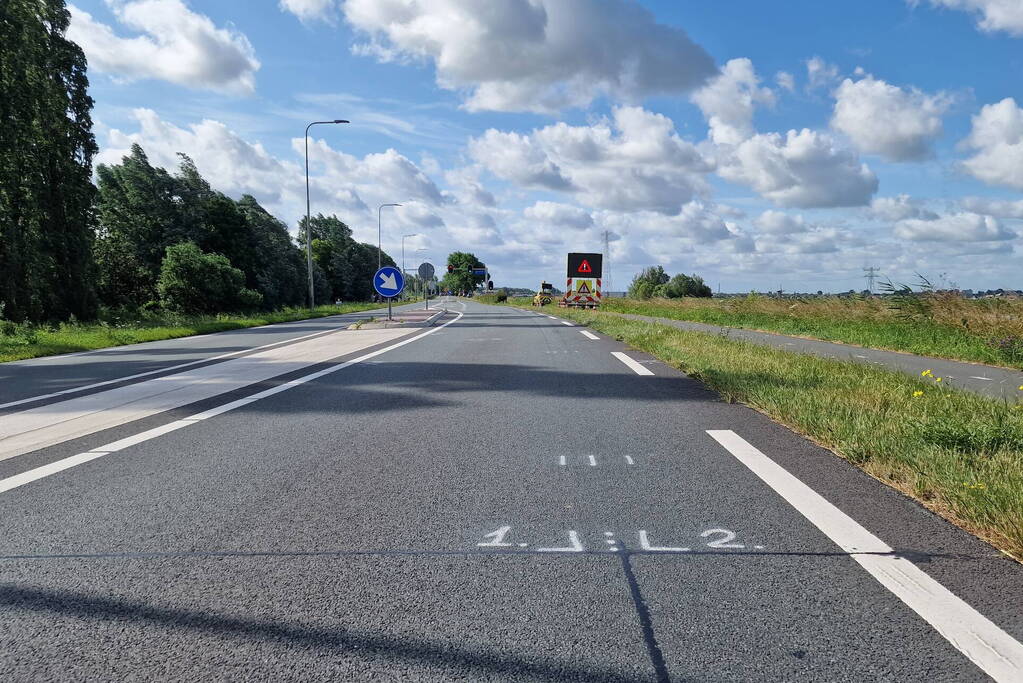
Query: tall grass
{"x": 959, "y": 453}
{"x": 19, "y": 342}
{"x": 938, "y": 324}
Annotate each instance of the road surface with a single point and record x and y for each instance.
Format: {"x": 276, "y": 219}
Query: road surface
{"x": 501, "y": 496}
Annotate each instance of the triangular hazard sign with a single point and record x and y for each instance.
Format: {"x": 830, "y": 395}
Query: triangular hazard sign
{"x": 585, "y": 267}
{"x": 584, "y": 288}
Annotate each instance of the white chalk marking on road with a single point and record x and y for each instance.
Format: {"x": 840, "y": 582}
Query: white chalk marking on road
{"x": 74, "y": 460}
{"x": 629, "y": 460}
{"x": 589, "y": 335}
{"x": 986, "y": 379}
{"x": 565, "y": 322}
{"x": 498, "y": 538}
{"x": 633, "y": 365}
{"x": 859, "y": 355}
{"x": 593, "y": 461}
{"x": 552, "y": 317}
{"x": 170, "y": 370}
{"x": 994, "y": 651}
{"x": 721, "y": 542}
{"x": 562, "y": 460}
{"x": 575, "y": 547}
{"x": 644, "y": 544}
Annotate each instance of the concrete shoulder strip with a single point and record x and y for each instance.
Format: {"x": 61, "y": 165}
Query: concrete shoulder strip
{"x": 75, "y": 460}
{"x": 997, "y": 653}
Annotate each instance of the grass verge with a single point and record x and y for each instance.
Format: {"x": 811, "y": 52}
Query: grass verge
{"x": 982, "y": 331}
{"x": 959, "y": 454}
{"x": 20, "y": 342}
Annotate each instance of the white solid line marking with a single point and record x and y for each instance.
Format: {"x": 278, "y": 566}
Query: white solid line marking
{"x": 565, "y": 322}
{"x": 997, "y": 653}
{"x": 644, "y": 544}
{"x": 74, "y": 460}
{"x": 633, "y": 365}
{"x": 588, "y": 335}
{"x": 172, "y": 369}
{"x": 629, "y": 460}
{"x": 986, "y": 379}
{"x": 593, "y": 461}
{"x": 562, "y": 461}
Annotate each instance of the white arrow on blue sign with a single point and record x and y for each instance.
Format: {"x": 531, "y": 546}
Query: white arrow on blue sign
{"x": 388, "y": 281}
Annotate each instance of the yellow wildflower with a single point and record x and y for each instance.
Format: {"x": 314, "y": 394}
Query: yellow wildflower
{"x": 917, "y": 393}
{"x": 925, "y": 373}
{"x": 937, "y": 379}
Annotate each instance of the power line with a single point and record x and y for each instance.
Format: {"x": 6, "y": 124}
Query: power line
{"x": 872, "y": 273}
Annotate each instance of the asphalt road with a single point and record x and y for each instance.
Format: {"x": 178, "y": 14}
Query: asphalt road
{"x": 78, "y": 373}
{"x": 987, "y": 380}
{"x": 497, "y": 497}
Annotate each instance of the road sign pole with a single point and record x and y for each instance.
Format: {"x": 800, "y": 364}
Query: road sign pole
{"x": 389, "y": 300}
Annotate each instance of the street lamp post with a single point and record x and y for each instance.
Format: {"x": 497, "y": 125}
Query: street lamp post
{"x": 308, "y": 218}
{"x": 415, "y": 234}
{"x": 380, "y": 251}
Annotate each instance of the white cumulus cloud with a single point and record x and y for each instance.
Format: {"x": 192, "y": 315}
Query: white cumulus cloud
{"x": 997, "y": 138}
{"x": 633, "y": 162}
{"x": 959, "y": 227}
{"x": 805, "y": 169}
{"x": 780, "y": 223}
{"x": 820, "y": 74}
{"x": 172, "y": 44}
{"x": 992, "y": 15}
{"x": 889, "y": 121}
{"x": 555, "y": 215}
{"x": 309, "y": 10}
{"x": 999, "y": 208}
{"x": 901, "y": 207}
{"x": 728, "y": 100}
{"x": 534, "y": 55}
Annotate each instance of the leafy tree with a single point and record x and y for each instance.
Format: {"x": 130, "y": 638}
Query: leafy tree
{"x": 141, "y": 213}
{"x": 645, "y": 284}
{"x": 462, "y": 278}
{"x": 686, "y": 285}
{"x": 278, "y": 269}
{"x": 348, "y": 266}
{"x": 46, "y": 151}
{"x": 193, "y": 282}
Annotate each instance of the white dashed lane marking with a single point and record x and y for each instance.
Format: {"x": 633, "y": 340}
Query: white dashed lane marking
{"x": 632, "y": 364}
{"x": 588, "y": 335}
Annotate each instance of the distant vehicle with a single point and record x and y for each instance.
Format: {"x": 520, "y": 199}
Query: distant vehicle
{"x": 544, "y": 295}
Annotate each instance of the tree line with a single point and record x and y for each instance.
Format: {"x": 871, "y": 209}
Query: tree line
{"x": 654, "y": 282}
{"x": 142, "y": 238}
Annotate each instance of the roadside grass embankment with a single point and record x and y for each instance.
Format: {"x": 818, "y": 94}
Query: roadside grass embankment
{"x": 958, "y": 453}
{"x": 20, "y": 342}
{"x": 938, "y": 324}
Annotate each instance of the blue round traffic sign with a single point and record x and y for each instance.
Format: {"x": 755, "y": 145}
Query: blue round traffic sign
{"x": 388, "y": 281}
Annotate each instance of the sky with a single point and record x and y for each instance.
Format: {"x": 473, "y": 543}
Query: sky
{"x": 761, "y": 145}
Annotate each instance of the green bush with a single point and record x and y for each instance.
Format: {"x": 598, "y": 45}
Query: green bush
{"x": 502, "y": 295}
{"x": 193, "y": 282}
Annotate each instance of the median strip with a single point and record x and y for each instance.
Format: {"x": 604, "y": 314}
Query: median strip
{"x": 66, "y": 463}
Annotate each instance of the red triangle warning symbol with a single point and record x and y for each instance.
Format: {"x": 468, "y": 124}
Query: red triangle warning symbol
{"x": 584, "y": 267}
{"x": 584, "y": 288}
